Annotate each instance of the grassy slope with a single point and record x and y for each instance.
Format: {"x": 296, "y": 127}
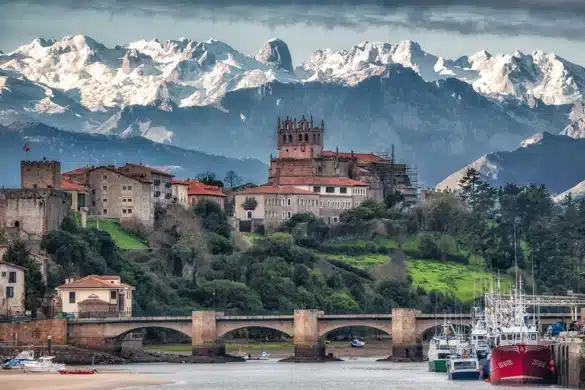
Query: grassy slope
{"x": 458, "y": 279}
{"x": 122, "y": 239}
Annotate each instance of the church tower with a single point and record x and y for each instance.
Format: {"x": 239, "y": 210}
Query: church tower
{"x": 299, "y": 140}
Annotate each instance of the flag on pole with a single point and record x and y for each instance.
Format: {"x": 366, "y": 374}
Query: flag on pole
{"x": 26, "y": 147}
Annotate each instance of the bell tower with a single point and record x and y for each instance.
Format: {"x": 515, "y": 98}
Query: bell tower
{"x": 299, "y": 140}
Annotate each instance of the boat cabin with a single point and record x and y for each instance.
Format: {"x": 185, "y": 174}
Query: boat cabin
{"x": 514, "y": 338}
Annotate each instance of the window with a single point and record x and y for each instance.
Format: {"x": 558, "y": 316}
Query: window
{"x": 104, "y": 188}
{"x": 123, "y": 188}
{"x": 157, "y": 183}
{"x": 105, "y": 177}
{"x": 104, "y": 211}
{"x": 113, "y": 295}
{"x": 129, "y": 188}
{"x": 168, "y": 184}
{"x": 129, "y": 211}
{"x": 9, "y": 292}
{"x": 316, "y": 189}
{"x": 157, "y": 194}
{"x": 3, "y": 274}
{"x": 129, "y": 200}
{"x": 93, "y": 202}
{"x": 288, "y": 214}
{"x": 123, "y": 199}
{"x": 288, "y": 202}
{"x": 71, "y": 296}
{"x": 123, "y": 211}
{"x": 343, "y": 190}
{"x": 105, "y": 200}
{"x": 330, "y": 190}
{"x": 334, "y": 219}
{"x": 249, "y": 214}
{"x": 12, "y": 277}
{"x": 321, "y": 204}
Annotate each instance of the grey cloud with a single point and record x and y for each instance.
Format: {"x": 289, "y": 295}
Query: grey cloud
{"x": 546, "y": 18}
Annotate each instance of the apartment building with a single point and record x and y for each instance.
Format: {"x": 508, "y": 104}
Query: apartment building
{"x": 160, "y": 181}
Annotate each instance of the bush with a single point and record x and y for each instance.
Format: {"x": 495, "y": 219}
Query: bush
{"x": 349, "y": 268}
{"x": 136, "y": 228}
{"x": 428, "y": 248}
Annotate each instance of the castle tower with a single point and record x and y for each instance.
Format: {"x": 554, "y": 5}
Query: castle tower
{"x": 299, "y": 140}
{"x": 40, "y": 174}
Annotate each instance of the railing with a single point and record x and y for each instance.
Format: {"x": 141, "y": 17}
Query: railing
{"x": 95, "y": 314}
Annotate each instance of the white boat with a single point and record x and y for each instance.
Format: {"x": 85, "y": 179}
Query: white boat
{"x": 479, "y": 337}
{"x": 44, "y": 364}
{"x": 26, "y": 356}
{"x": 463, "y": 367}
{"x": 443, "y": 346}
{"x": 357, "y": 344}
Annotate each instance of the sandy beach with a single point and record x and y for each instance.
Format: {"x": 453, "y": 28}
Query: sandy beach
{"x": 12, "y": 380}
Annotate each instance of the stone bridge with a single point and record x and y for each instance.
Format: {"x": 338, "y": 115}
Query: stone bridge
{"x": 306, "y": 327}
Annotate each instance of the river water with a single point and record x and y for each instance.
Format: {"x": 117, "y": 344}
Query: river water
{"x": 360, "y": 374}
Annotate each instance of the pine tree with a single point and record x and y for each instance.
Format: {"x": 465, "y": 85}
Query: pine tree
{"x": 34, "y": 286}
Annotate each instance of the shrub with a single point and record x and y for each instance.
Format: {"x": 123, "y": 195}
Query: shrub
{"x": 428, "y": 248}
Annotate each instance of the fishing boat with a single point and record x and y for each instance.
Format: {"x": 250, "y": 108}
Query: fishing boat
{"x": 479, "y": 336}
{"x": 357, "y": 344}
{"x": 463, "y": 366}
{"x": 518, "y": 357}
{"x": 442, "y": 346}
{"x": 44, "y": 364}
{"x": 27, "y": 356}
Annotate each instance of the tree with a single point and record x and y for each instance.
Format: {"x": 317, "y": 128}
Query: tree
{"x": 34, "y": 285}
{"x": 393, "y": 199}
{"x": 213, "y": 218}
{"x": 232, "y": 179}
{"x": 479, "y": 195}
{"x": 250, "y": 203}
{"x": 209, "y": 178}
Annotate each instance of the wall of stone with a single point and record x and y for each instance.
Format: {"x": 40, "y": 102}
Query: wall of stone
{"x": 40, "y": 174}
{"x": 204, "y": 329}
{"x": 34, "y": 332}
{"x": 306, "y": 323}
{"x": 90, "y": 336}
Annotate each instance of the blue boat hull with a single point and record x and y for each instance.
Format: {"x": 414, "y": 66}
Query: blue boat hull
{"x": 464, "y": 375}
{"x": 485, "y": 365}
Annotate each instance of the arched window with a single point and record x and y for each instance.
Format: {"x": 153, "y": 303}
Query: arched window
{"x": 300, "y": 137}
{"x": 283, "y": 138}
{"x": 290, "y": 138}
{"x": 314, "y": 138}
{"x": 17, "y": 224}
{"x": 249, "y": 214}
{"x": 306, "y": 137}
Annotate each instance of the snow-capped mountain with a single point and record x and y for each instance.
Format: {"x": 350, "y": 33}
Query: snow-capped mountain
{"x": 192, "y": 73}
{"x": 76, "y": 149}
{"x": 576, "y": 128}
{"x": 207, "y": 96}
{"x": 557, "y": 161}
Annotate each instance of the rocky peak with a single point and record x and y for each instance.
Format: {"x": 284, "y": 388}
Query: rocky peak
{"x": 276, "y": 52}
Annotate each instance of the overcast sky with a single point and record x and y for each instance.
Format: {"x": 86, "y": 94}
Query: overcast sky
{"x": 449, "y": 28}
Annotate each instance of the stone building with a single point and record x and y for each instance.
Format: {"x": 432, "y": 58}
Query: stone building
{"x": 95, "y": 296}
{"x": 32, "y": 212}
{"x": 40, "y": 174}
{"x": 336, "y": 180}
{"x": 161, "y": 182}
{"x": 301, "y": 153}
{"x": 11, "y": 289}
{"x": 180, "y": 191}
{"x": 199, "y": 191}
{"x": 116, "y": 194}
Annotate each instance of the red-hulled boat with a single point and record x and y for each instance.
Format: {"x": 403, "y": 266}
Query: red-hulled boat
{"x": 521, "y": 364}
{"x": 517, "y": 356}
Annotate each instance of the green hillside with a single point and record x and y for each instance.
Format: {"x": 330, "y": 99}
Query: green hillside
{"x": 122, "y": 239}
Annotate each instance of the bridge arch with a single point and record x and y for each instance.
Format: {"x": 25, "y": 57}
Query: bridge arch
{"x": 326, "y": 326}
{"x": 224, "y": 329}
{"x": 118, "y": 331}
{"x": 424, "y": 331}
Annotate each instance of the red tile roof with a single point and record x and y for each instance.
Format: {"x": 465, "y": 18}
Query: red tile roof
{"x": 145, "y": 169}
{"x": 364, "y": 157}
{"x": 126, "y": 174}
{"x": 197, "y": 188}
{"x": 180, "y": 182}
{"x": 269, "y": 189}
{"x": 321, "y": 181}
{"x": 69, "y": 185}
{"x": 76, "y": 172}
{"x": 93, "y": 281}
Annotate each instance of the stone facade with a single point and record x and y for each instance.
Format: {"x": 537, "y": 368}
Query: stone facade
{"x": 161, "y": 182}
{"x": 117, "y": 195}
{"x": 180, "y": 191}
{"x": 40, "y": 174}
{"x": 34, "y": 332}
{"x": 33, "y": 211}
{"x": 11, "y": 289}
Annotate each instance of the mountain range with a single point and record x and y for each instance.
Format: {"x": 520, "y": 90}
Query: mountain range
{"x": 207, "y": 96}
{"x": 75, "y": 150}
